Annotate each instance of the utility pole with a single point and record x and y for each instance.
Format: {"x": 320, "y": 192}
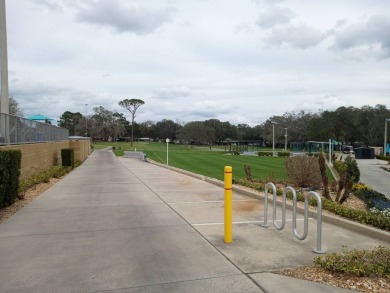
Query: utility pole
{"x": 4, "y": 95}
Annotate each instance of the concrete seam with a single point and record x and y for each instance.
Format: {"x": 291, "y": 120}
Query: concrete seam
{"x": 167, "y": 283}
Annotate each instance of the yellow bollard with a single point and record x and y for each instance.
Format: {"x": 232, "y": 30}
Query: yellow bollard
{"x": 228, "y": 238}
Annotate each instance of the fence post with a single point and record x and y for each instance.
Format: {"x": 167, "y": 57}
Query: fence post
{"x": 228, "y": 218}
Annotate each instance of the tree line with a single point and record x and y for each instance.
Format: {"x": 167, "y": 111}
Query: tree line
{"x": 345, "y": 124}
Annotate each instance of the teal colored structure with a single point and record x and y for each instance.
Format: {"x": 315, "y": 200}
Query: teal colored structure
{"x": 317, "y": 146}
{"x": 296, "y": 147}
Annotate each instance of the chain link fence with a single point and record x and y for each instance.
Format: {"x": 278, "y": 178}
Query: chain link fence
{"x": 18, "y": 130}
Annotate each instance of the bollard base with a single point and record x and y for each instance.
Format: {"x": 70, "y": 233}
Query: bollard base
{"x": 315, "y": 250}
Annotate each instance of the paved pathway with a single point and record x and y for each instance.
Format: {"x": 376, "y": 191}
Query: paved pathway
{"x": 123, "y": 225}
{"x": 372, "y": 175}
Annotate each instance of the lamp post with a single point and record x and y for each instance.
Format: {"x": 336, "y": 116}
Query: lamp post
{"x": 285, "y": 141}
{"x": 167, "y": 141}
{"x": 384, "y": 144}
{"x": 273, "y": 138}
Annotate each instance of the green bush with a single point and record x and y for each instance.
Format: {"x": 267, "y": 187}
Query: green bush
{"x": 364, "y": 263}
{"x": 44, "y": 176}
{"x": 339, "y": 166}
{"x": 352, "y": 169}
{"x": 382, "y": 157}
{"x": 10, "y": 162}
{"x": 264, "y": 154}
{"x": 67, "y": 157}
{"x": 284, "y": 154}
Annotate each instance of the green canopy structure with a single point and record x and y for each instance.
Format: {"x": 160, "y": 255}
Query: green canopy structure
{"x": 39, "y": 117}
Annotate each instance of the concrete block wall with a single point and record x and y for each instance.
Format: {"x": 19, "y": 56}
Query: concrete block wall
{"x": 37, "y": 157}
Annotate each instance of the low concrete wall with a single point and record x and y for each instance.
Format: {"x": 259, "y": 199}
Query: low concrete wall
{"x": 40, "y": 156}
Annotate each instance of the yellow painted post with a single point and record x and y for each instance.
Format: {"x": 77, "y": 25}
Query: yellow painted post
{"x": 228, "y": 225}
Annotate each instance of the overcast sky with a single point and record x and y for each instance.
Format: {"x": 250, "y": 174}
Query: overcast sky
{"x": 240, "y": 61}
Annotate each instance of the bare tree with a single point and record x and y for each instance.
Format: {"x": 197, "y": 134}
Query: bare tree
{"x": 14, "y": 107}
{"x": 131, "y": 105}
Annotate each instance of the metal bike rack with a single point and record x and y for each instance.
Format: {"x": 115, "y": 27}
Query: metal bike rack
{"x": 294, "y": 219}
{"x": 265, "y": 222}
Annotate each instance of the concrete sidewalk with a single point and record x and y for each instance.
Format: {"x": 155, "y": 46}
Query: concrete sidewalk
{"x": 123, "y": 225}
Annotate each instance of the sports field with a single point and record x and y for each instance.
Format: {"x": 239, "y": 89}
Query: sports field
{"x": 202, "y": 160}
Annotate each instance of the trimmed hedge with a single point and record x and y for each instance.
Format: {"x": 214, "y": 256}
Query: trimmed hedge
{"x": 10, "y": 162}
{"x": 264, "y": 154}
{"x": 382, "y": 157}
{"x": 67, "y": 157}
{"x": 284, "y": 154}
{"x": 43, "y": 176}
{"x": 365, "y": 263}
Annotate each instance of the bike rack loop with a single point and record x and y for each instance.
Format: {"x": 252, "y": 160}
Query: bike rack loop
{"x": 306, "y": 219}
{"x": 265, "y": 222}
{"x": 281, "y": 227}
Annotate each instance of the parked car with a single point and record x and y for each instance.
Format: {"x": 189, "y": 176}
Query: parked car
{"x": 347, "y": 149}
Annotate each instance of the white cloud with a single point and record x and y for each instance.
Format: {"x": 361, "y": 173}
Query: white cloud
{"x": 366, "y": 39}
{"x": 274, "y": 16}
{"x": 122, "y": 16}
{"x": 298, "y": 37}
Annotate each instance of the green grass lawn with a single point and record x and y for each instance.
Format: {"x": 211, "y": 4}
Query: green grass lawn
{"x": 202, "y": 161}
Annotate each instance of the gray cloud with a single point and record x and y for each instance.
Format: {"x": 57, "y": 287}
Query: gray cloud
{"x": 365, "y": 39}
{"x": 124, "y": 17}
{"x": 51, "y": 5}
{"x": 298, "y": 37}
{"x": 171, "y": 93}
{"x": 274, "y": 16}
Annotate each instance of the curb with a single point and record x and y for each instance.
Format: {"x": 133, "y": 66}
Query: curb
{"x": 331, "y": 219}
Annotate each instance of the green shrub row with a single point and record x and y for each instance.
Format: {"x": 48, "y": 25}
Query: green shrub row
{"x": 361, "y": 263}
{"x": 44, "y": 176}
{"x": 264, "y": 154}
{"x": 10, "y": 162}
{"x": 377, "y": 220}
{"x": 67, "y": 157}
{"x": 365, "y": 217}
{"x": 382, "y": 157}
{"x": 284, "y": 154}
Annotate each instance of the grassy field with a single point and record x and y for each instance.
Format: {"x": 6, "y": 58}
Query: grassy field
{"x": 202, "y": 160}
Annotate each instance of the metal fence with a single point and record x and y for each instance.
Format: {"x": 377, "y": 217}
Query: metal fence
{"x": 18, "y": 130}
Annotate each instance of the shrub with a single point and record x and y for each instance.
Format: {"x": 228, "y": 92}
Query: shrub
{"x": 339, "y": 166}
{"x": 364, "y": 263}
{"x": 264, "y": 154}
{"x": 324, "y": 175}
{"x": 44, "y": 176}
{"x": 284, "y": 154}
{"x": 382, "y": 157}
{"x": 352, "y": 169}
{"x": 248, "y": 172}
{"x": 303, "y": 171}
{"x": 10, "y": 162}
{"x": 67, "y": 157}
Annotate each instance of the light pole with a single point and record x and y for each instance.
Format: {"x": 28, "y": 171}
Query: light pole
{"x": 86, "y": 121}
{"x": 167, "y": 141}
{"x": 285, "y": 141}
{"x": 273, "y": 138}
{"x": 384, "y": 144}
